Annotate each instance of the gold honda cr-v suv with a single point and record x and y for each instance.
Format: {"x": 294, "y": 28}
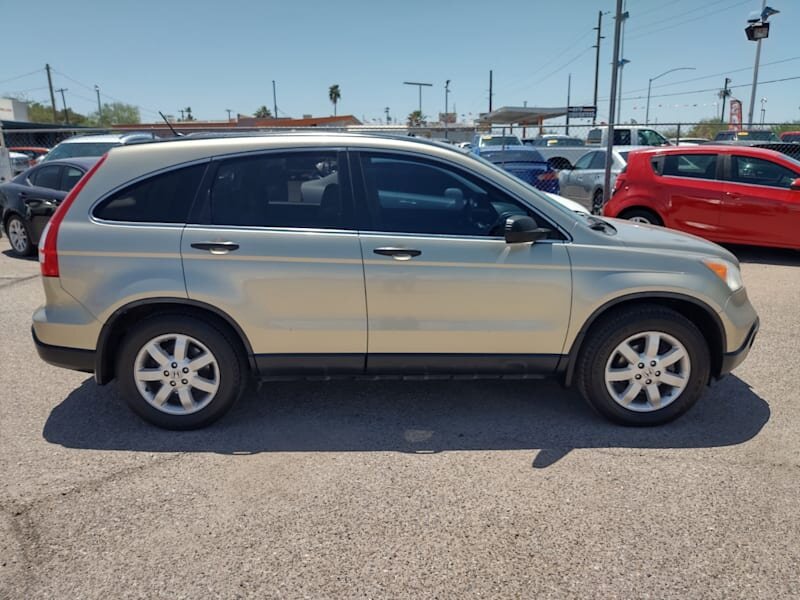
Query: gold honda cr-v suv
{"x": 183, "y": 268}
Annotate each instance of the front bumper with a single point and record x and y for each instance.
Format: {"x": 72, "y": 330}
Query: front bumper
{"x": 76, "y": 359}
{"x": 731, "y": 360}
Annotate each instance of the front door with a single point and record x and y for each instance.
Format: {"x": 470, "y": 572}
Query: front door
{"x": 759, "y": 206}
{"x": 275, "y": 249}
{"x": 445, "y": 292}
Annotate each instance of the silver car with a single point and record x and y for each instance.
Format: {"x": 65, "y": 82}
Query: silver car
{"x": 184, "y": 268}
{"x": 584, "y": 181}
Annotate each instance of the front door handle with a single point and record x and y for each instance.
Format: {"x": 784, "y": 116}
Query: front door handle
{"x": 398, "y": 253}
{"x": 216, "y": 247}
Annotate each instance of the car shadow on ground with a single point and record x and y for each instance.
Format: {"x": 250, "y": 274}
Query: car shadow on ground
{"x": 10, "y": 254}
{"x": 766, "y": 256}
{"x": 406, "y": 416}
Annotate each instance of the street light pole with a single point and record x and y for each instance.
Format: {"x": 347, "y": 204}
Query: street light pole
{"x": 420, "y": 86}
{"x": 650, "y": 83}
{"x": 612, "y": 97}
{"x": 766, "y": 12}
{"x": 446, "y": 118}
{"x": 64, "y": 102}
{"x": 99, "y": 108}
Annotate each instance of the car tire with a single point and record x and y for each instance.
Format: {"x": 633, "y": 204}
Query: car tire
{"x": 642, "y": 215}
{"x": 597, "y": 202}
{"x": 19, "y": 236}
{"x": 180, "y": 372}
{"x": 649, "y": 346}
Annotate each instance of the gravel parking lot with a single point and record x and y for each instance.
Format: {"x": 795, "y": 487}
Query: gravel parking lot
{"x": 402, "y": 489}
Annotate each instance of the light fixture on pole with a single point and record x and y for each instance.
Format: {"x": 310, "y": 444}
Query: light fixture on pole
{"x": 420, "y": 86}
{"x": 650, "y": 83}
{"x": 756, "y": 31}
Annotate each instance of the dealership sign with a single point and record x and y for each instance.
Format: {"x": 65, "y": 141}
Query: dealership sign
{"x": 736, "y": 115}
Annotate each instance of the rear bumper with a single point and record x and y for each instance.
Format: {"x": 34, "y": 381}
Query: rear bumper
{"x": 731, "y": 360}
{"x": 76, "y": 359}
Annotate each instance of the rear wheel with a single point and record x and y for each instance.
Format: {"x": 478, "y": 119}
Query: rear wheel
{"x": 179, "y": 372}
{"x": 644, "y": 366}
{"x": 597, "y": 202}
{"x": 19, "y": 236}
{"x": 642, "y": 215}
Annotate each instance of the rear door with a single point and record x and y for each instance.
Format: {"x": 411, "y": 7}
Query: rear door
{"x": 445, "y": 292}
{"x": 759, "y": 207}
{"x": 692, "y": 192}
{"x": 274, "y": 246}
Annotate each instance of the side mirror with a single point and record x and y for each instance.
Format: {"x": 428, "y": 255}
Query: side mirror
{"x": 795, "y": 185}
{"x": 520, "y": 229}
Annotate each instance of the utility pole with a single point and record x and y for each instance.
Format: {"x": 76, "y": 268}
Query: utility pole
{"x": 491, "y": 93}
{"x": 52, "y": 95}
{"x": 388, "y": 118}
{"x": 622, "y": 61}
{"x": 611, "y": 104}
{"x": 63, "y": 99}
{"x": 229, "y": 111}
{"x": 274, "y": 100}
{"x": 725, "y": 94}
{"x": 569, "y": 85}
{"x": 597, "y": 61}
{"x": 99, "y": 108}
{"x": 446, "y": 116}
{"x": 182, "y": 116}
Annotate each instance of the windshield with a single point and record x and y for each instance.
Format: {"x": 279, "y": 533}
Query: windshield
{"x": 500, "y": 140}
{"x": 80, "y": 149}
{"x": 539, "y": 194}
{"x": 791, "y": 137}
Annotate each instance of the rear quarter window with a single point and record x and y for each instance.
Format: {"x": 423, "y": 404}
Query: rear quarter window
{"x": 163, "y": 198}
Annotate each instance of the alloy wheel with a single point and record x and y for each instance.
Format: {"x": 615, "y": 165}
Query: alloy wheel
{"x": 17, "y": 235}
{"x": 648, "y": 371}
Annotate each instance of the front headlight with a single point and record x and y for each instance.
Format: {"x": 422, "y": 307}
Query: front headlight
{"x": 727, "y": 271}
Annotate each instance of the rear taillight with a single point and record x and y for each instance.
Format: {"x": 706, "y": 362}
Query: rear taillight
{"x": 548, "y": 176}
{"x": 48, "y": 245}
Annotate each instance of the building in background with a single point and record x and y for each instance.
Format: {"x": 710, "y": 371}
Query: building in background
{"x": 13, "y": 110}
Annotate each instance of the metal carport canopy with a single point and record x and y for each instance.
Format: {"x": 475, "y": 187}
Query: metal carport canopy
{"x": 521, "y": 115}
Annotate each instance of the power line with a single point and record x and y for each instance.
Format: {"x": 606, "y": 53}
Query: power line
{"x": 714, "y": 89}
{"x": 21, "y": 76}
{"x": 91, "y": 89}
{"x": 649, "y": 31}
{"x": 720, "y": 74}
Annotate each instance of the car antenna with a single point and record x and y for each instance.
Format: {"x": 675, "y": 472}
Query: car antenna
{"x": 171, "y": 128}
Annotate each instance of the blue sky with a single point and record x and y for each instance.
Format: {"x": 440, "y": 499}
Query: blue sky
{"x": 217, "y": 55}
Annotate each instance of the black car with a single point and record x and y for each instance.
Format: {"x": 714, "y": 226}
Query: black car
{"x": 28, "y": 201}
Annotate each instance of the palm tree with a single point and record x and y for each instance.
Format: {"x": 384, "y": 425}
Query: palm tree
{"x": 416, "y": 119}
{"x": 263, "y": 112}
{"x": 333, "y": 95}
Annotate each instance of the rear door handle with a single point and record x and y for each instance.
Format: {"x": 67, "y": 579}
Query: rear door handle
{"x": 216, "y": 247}
{"x": 398, "y": 253}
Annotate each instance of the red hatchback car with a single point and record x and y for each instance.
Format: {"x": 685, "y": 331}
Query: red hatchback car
{"x": 728, "y": 194}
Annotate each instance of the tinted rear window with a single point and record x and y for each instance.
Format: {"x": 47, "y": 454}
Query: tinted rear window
{"x": 163, "y": 198}
{"x": 702, "y": 166}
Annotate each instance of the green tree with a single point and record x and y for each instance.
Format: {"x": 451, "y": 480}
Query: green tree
{"x": 706, "y": 128}
{"x": 188, "y": 116}
{"x": 116, "y": 113}
{"x": 263, "y": 112}
{"x": 334, "y": 93}
{"x": 417, "y": 119}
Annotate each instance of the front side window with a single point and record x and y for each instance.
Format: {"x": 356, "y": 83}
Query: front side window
{"x": 700, "y": 166}
{"x": 410, "y": 195}
{"x": 757, "y": 171}
{"x": 299, "y": 189}
{"x": 584, "y": 161}
{"x": 598, "y": 161}
{"x": 648, "y": 137}
{"x": 622, "y": 137}
{"x": 163, "y": 198}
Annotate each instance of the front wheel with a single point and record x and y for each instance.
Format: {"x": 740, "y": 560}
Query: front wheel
{"x": 642, "y": 215}
{"x": 644, "y": 366}
{"x": 179, "y": 372}
{"x": 597, "y": 202}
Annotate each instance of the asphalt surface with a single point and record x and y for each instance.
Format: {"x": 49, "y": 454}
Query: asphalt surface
{"x": 402, "y": 489}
